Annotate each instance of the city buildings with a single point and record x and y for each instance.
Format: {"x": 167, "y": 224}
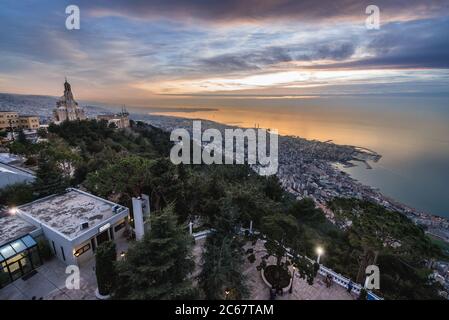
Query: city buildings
{"x": 67, "y": 108}
{"x": 120, "y": 120}
{"x": 11, "y": 120}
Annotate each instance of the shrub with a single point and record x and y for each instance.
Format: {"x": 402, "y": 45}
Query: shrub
{"x": 277, "y": 276}
{"x": 44, "y": 249}
{"x": 252, "y": 258}
{"x": 4, "y": 278}
{"x": 104, "y": 269}
{"x": 363, "y": 294}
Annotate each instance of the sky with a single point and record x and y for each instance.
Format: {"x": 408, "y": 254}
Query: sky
{"x": 210, "y": 53}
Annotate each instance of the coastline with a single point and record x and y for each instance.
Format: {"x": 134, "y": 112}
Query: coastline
{"x": 307, "y": 169}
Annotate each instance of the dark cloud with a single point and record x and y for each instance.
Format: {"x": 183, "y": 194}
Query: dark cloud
{"x": 406, "y": 45}
{"x": 333, "y": 50}
{"x": 414, "y": 44}
{"x": 245, "y": 61}
{"x": 337, "y": 50}
{"x": 234, "y": 10}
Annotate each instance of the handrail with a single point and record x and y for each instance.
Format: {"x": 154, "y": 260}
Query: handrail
{"x": 324, "y": 271}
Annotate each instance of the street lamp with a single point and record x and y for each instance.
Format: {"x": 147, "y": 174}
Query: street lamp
{"x": 293, "y": 278}
{"x": 13, "y": 210}
{"x": 319, "y": 252}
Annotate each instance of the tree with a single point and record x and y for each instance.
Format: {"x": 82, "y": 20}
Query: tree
{"x": 281, "y": 232}
{"x": 223, "y": 259}
{"x": 158, "y": 266}
{"x": 21, "y": 138}
{"x": 279, "y": 229}
{"x": 42, "y": 133}
{"x": 400, "y": 245}
{"x": 16, "y": 194}
{"x": 50, "y": 178}
{"x": 105, "y": 258}
{"x": 164, "y": 182}
{"x": 305, "y": 211}
{"x": 122, "y": 180}
{"x": 273, "y": 189}
{"x": 16, "y": 147}
{"x": 61, "y": 154}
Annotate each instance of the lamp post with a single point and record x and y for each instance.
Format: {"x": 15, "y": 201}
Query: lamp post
{"x": 191, "y": 227}
{"x": 293, "y": 278}
{"x": 12, "y": 210}
{"x": 319, "y": 252}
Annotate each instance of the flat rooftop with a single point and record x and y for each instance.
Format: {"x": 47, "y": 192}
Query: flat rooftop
{"x": 11, "y": 175}
{"x": 9, "y": 158}
{"x": 13, "y": 227}
{"x": 65, "y": 212}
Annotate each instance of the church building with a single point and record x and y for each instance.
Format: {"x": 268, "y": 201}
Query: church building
{"x": 67, "y": 108}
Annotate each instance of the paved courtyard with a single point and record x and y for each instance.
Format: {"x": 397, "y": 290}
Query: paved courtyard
{"x": 260, "y": 291}
{"x": 301, "y": 289}
{"x": 48, "y": 283}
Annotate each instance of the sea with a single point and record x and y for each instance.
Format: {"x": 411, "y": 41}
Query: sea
{"x": 410, "y": 132}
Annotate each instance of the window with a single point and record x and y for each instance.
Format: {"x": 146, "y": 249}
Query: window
{"x": 29, "y": 241}
{"x": 119, "y": 226}
{"x": 62, "y": 251}
{"x": 81, "y": 250}
{"x": 7, "y": 252}
{"x": 18, "y": 246}
{"x": 92, "y": 241}
{"x": 18, "y": 258}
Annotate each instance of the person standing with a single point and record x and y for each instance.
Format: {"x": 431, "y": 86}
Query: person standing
{"x": 350, "y": 285}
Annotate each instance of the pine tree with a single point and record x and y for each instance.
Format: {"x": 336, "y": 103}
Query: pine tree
{"x": 223, "y": 259}
{"x": 104, "y": 266}
{"x": 158, "y": 266}
{"x": 50, "y": 178}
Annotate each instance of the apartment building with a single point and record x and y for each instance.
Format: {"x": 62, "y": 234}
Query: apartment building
{"x": 12, "y": 119}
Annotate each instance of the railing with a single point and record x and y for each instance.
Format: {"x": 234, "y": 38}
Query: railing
{"x": 324, "y": 271}
{"x": 202, "y": 234}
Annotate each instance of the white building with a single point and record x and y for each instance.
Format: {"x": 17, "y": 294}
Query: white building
{"x": 75, "y": 223}
{"x": 10, "y": 175}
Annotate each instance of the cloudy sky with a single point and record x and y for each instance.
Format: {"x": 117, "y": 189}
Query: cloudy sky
{"x": 170, "y": 53}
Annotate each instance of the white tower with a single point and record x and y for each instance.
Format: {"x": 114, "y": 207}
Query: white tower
{"x": 141, "y": 212}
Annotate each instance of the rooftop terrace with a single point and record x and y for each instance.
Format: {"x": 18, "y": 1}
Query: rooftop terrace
{"x": 66, "y": 212}
{"x": 12, "y": 227}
